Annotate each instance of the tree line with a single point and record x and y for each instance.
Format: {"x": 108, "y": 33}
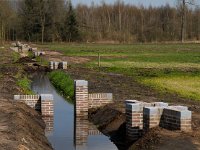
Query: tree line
{"x": 58, "y": 21}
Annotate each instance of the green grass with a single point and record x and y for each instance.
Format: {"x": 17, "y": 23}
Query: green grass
{"x": 24, "y": 84}
{"x": 186, "y": 86}
{"x": 15, "y": 56}
{"x": 63, "y": 83}
{"x": 155, "y": 65}
{"x": 42, "y": 61}
{"x": 121, "y": 50}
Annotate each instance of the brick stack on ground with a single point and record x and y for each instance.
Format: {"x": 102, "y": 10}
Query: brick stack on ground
{"x": 177, "y": 118}
{"x": 38, "y": 53}
{"x": 134, "y": 120}
{"x": 53, "y": 65}
{"x": 141, "y": 116}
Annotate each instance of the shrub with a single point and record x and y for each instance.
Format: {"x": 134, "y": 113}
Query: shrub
{"x": 24, "y": 84}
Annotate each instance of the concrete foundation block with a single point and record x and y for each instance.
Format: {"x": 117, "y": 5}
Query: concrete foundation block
{"x": 81, "y": 83}
{"x": 160, "y": 104}
{"x": 134, "y": 107}
{"x": 132, "y": 101}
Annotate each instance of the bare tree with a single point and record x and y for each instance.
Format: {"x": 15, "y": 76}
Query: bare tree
{"x": 183, "y": 16}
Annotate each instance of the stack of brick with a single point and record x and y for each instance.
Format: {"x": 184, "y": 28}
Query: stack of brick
{"x": 81, "y": 97}
{"x": 57, "y": 65}
{"x": 177, "y": 118}
{"x": 134, "y": 120}
{"x": 51, "y": 65}
{"x": 47, "y": 105}
{"x": 152, "y": 115}
{"x": 100, "y": 99}
{"x": 141, "y": 116}
{"x": 38, "y": 53}
{"x": 64, "y": 65}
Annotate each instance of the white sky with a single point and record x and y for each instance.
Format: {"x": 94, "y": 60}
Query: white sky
{"x": 135, "y": 2}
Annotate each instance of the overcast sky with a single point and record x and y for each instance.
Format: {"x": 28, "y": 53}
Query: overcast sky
{"x": 135, "y": 2}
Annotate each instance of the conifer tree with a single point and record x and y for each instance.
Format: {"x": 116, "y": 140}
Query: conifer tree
{"x": 71, "y": 25}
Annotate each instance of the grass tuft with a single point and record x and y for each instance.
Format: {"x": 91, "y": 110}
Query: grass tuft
{"x": 24, "y": 84}
{"x": 63, "y": 83}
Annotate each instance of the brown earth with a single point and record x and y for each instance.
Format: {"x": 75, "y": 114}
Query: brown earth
{"x": 21, "y": 127}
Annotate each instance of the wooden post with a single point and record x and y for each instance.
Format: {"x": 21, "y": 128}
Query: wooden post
{"x": 99, "y": 60}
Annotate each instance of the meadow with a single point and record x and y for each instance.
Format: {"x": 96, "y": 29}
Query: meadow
{"x": 165, "y": 67}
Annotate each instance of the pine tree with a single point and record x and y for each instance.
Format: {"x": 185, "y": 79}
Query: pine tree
{"x": 71, "y": 25}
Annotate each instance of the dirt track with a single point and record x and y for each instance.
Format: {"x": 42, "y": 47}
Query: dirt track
{"x": 110, "y": 119}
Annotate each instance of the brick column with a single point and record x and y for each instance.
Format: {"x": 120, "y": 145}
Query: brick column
{"x": 64, "y": 65}
{"x": 47, "y": 105}
{"x": 56, "y": 65}
{"x": 81, "y": 98}
{"x": 177, "y": 118}
{"x": 152, "y": 116}
{"x": 51, "y": 65}
{"x": 134, "y": 120}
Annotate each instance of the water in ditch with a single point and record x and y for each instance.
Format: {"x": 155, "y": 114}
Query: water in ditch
{"x": 65, "y": 131}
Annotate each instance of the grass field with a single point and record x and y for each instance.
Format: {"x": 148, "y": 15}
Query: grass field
{"x": 165, "y": 67}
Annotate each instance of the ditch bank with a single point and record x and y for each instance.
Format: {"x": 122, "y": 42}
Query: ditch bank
{"x": 111, "y": 118}
{"x": 21, "y": 128}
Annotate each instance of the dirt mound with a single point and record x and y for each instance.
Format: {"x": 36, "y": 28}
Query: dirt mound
{"x": 107, "y": 118}
{"x": 25, "y": 60}
{"x": 21, "y": 127}
{"x": 148, "y": 141}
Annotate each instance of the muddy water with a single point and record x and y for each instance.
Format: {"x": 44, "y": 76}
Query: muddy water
{"x": 64, "y": 130}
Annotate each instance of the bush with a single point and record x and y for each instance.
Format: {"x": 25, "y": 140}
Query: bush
{"x": 63, "y": 83}
{"x": 24, "y": 84}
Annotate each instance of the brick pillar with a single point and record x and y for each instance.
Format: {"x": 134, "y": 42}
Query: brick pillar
{"x": 134, "y": 120}
{"x": 51, "y": 65}
{"x": 81, "y": 98}
{"x": 177, "y": 118}
{"x": 64, "y": 65}
{"x": 47, "y": 105}
{"x": 152, "y": 116}
{"x": 56, "y": 64}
